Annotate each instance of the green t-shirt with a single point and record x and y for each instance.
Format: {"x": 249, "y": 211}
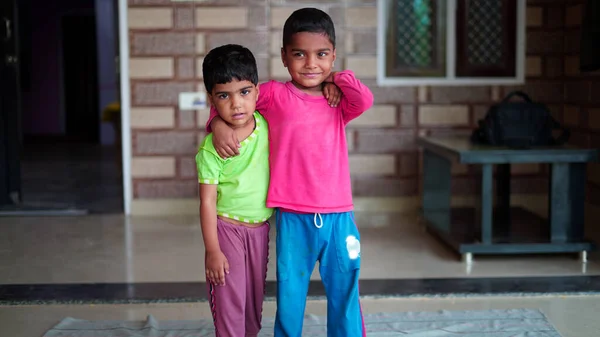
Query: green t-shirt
{"x": 243, "y": 180}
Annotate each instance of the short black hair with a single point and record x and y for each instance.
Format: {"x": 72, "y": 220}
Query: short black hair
{"x": 310, "y": 20}
{"x": 225, "y": 63}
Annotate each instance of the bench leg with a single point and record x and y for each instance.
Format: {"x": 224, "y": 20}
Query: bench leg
{"x": 487, "y": 200}
{"x": 567, "y": 202}
{"x": 503, "y": 219}
{"x": 436, "y": 190}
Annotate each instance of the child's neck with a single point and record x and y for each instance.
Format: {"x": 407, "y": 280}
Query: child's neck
{"x": 244, "y": 131}
{"x": 313, "y": 91}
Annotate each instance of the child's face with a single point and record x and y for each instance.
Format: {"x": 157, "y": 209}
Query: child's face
{"x": 309, "y": 58}
{"x": 235, "y": 101}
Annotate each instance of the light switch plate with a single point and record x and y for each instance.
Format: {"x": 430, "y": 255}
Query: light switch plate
{"x": 192, "y": 100}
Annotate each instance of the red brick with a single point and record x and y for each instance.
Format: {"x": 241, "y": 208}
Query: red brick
{"x": 337, "y": 14}
{"x": 157, "y": 189}
{"x": 537, "y": 2}
{"x": 595, "y": 91}
{"x": 528, "y": 185}
{"x": 257, "y": 42}
{"x": 556, "y": 111}
{"x": 385, "y": 140}
{"x": 463, "y": 132}
{"x": 409, "y": 164}
{"x": 555, "y": 16}
{"x": 554, "y": 66}
{"x": 479, "y": 112}
{"x": 352, "y": 2}
{"x": 471, "y": 185}
{"x": 465, "y": 185}
{"x": 209, "y": 3}
{"x": 257, "y": 15}
{"x": 579, "y": 139}
{"x": 187, "y": 119}
{"x": 365, "y": 42}
{"x": 187, "y": 167}
{"x": 150, "y": 2}
{"x": 594, "y": 140}
{"x": 262, "y": 63}
{"x": 384, "y": 95}
{"x": 572, "y": 41}
{"x": 185, "y": 68}
{"x": 303, "y": 2}
{"x": 159, "y": 93}
{"x": 577, "y": 92}
{"x": 163, "y": 44}
{"x": 546, "y": 92}
{"x": 384, "y": 187}
{"x": 542, "y": 42}
{"x": 166, "y": 142}
{"x": 459, "y": 94}
{"x": 184, "y": 17}
{"x": 198, "y": 3}
{"x": 408, "y": 115}
{"x": 593, "y": 194}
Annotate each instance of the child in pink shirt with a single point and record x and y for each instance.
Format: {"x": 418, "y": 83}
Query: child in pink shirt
{"x": 310, "y": 180}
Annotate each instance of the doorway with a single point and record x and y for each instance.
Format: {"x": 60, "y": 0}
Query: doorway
{"x": 10, "y": 179}
{"x": 68, "y": 155}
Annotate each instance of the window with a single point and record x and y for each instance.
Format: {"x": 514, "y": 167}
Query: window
{"x": 451, "y": 42}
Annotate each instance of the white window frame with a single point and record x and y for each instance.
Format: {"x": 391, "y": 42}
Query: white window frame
{"x": 450, "y": 78}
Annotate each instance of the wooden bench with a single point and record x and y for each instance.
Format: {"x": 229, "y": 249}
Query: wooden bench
{"x": 505, "y": 229}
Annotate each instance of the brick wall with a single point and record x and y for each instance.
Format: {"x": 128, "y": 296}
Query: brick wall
{"x": 168, "y": 40}
{"x": 581, "y": 110}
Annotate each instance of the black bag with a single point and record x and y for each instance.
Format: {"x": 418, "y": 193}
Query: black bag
{"x": 519, "y": 125}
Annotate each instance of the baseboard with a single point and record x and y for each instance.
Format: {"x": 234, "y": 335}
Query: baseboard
{"x": 159, "y": 207}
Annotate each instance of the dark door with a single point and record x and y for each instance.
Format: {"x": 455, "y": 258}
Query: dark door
{"x": 10, "y": 137}
{"x": 80, "y": 77}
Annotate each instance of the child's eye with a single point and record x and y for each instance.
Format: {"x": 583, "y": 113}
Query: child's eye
{"x": 245, "y": 92}
{"x": 322, "y": 54}
{"x": 222, "y": 96}
{"x": 298, "y": 54}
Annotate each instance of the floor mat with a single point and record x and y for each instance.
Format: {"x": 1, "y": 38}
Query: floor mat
{"x": 489, "y": 323}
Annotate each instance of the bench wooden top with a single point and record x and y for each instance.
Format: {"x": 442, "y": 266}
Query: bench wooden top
{"x": 462, "y": 150}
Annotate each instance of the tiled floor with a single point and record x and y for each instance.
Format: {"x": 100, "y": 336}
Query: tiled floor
{"x": 113, "y": 248}
{"x": 572, "y": 316}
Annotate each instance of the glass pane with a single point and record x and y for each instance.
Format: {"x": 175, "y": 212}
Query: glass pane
{"x": 485, "y": 32}
{"x": 416, "y": 38}
{"x": 486, "y": 38}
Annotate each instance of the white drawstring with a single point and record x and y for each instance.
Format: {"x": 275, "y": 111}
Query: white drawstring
{"x": 320, "y": 219}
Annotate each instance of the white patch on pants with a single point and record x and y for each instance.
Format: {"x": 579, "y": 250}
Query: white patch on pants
{"x": 353, "y": 247}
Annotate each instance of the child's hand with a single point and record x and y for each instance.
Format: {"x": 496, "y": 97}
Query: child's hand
{"x": 332, "y": 93}
{"x": 225, "y": 140}
{"x": 216, "y": 267}
{"x": 330, "y": 78}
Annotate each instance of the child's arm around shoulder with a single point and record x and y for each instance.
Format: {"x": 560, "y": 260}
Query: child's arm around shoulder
{"x": 224, "y": 138}
{"x": 357, "y": 97}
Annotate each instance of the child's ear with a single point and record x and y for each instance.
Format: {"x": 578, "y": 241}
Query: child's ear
{"x": 257, "y": 92}
{"x": 210, "y": 99}
{"x": 334, "y": 55}
{"x": 283, "y": 57}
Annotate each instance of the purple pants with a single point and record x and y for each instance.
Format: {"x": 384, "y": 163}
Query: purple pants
{"x": 237, "y": 306}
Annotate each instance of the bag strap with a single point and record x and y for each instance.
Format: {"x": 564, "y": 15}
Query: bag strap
{"x": 518, "y": 93}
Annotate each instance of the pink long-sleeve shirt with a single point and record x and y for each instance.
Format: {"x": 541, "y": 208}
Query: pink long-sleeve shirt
{"x": 307, "y": 140}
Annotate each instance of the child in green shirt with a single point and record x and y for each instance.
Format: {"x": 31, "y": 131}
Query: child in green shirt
{"x": 233, "y": 194}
